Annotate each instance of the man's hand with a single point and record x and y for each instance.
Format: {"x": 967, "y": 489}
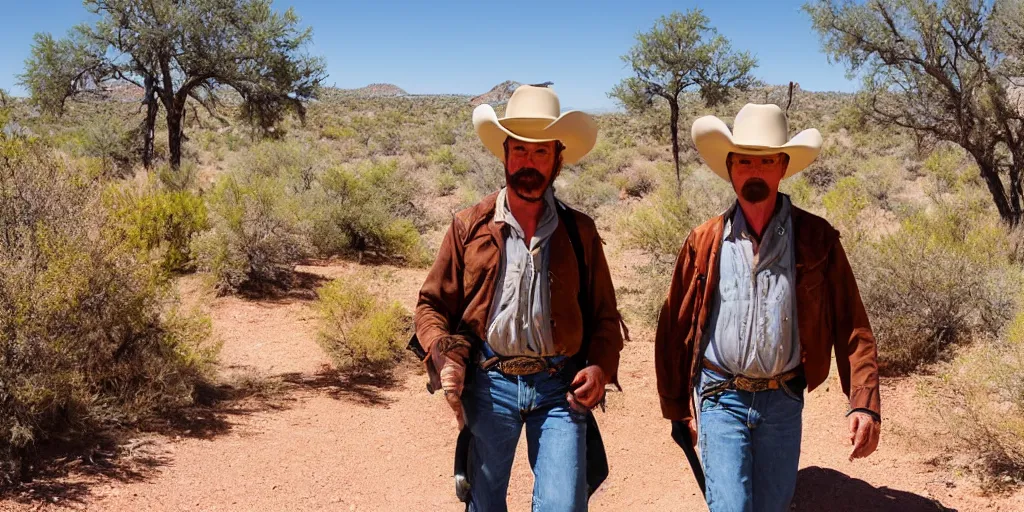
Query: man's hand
{"x": 864, "y": 431}
{"x": 587, "y": 388}
{"x": 678, "y": 427}
{"x": 450, "y": 354}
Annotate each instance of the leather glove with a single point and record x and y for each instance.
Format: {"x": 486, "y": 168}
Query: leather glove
{"x": 451, "y": 354}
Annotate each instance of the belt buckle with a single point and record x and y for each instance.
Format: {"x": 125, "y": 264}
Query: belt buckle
{"x": 520, "y": 366}
{"x": 752, "y": 385}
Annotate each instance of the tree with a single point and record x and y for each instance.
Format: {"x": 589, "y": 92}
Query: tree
{"x": 682, "y": 52}
{"x": 948, "y": 71}
{"x": 176, "y": 50}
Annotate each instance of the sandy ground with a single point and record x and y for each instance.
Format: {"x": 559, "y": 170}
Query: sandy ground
{"x": 319, "y": 442}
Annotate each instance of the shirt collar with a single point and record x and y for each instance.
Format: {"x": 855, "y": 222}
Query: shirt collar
{"x": 737, "y": 226}
{"x": 503, "y": 214}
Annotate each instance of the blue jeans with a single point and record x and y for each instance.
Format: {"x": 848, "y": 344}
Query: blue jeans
{"x": 750, "y": 447}
{"x": 497, "y": 407}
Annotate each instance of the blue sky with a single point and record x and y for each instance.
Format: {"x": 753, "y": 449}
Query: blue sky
{"x": 441, "y": 46}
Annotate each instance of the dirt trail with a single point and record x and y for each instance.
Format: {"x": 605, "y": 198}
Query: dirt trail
{"x": 323, "y": 444}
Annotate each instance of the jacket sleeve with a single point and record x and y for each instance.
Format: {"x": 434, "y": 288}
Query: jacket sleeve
{"x": 606, "y": 340}
{"x": 672, "y": 355}
{"x": 856, "y": 353}
{"x": 440, "y": 297}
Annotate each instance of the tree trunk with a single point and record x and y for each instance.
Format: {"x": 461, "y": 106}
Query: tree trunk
{"x": 990, "y": 173}
{"x": 1015, "y": 190}
{"x": 174, "y": 135}
{"x": 674, "y": 128}
{"x": 149, "y": 128}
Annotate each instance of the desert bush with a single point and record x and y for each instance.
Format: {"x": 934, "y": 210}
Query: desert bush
{"x": 184, "y": 178}
{"x": 946, "y": 166}
{"x": 583, "y": 191}
{"x": 447, "y": 159}
{"x": 486, "y": 173}
{"x": 360, "y": 332}
{"x": 943, "y": 279}
{"x": 334, "y": 132}
{"x": 259, "y": 232}
{"x": 799, "y": 190}
{"x": 987, "y": 413}
{"x": 660, "y": 225}
{"x": 881, "y": 178}
{"x": 116, "y": 146}
{"x": 851, "y": 117}
{"x": 444, "y": 133}
{"x": 843, "y": 204}
{"x": 156, "y": 219}
{"x": 367, "y": 208}
{"x": 88, "y": 343}
{"x": 637, "y": 181}
{"x": 446, "y": 184}
{"x": 298, "y": 164}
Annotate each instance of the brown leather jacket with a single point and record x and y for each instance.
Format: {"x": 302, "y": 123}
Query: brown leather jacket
{"x": 829, "y": 314}
{"x": 459, "y": 289}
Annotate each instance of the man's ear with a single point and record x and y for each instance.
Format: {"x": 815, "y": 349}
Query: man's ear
{"x": 558, "y": 169}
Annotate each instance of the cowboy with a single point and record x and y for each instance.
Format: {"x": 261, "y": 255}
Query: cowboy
{"x": 523, "y": 331}
{"x": 759, "y": 299}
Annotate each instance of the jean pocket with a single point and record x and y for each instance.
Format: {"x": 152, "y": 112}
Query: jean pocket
{"x": 710, "y": 403}
{"x": 799, "y": 397}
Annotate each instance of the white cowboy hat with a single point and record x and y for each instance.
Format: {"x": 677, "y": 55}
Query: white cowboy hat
{"x": 533, "y": 115}
{"x": 757, "y": 130}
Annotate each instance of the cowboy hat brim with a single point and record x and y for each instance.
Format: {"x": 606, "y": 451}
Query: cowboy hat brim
{"x": 576, "y": 130}
{"x": 714, "y": 142}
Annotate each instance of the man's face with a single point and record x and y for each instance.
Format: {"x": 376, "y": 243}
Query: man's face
{"x": 756, "y": 177}
{"x": 530, "y": 167}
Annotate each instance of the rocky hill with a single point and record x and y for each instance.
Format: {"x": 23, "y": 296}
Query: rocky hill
{"x": 497, "y": 95}
{"x": 377, "y": 91}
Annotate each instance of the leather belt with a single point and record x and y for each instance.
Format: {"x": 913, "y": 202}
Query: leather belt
{"x": 522, "y": 365}
{"x": 741, "y": 383}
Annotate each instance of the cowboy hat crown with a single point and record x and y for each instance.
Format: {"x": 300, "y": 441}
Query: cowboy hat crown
{"x": 533, "y": 114}
{"x": 757, "y": 130}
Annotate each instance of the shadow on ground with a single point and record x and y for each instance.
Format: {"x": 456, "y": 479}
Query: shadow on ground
{"x": 63, "y": 476}
{"x": 368, "y": 390}
{"x": 298, "y": 286}
{"x": 827, "y": 489}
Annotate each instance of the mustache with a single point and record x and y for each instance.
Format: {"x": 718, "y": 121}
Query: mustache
{"x": 755, "y": 190}
{"x": 526, "y": 179}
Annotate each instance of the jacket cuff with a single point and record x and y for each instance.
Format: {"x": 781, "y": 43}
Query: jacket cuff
{"x": 609, "y": 364}
{"x": 673, "y": 409}
{"x": 874, "y": 415}
{"x": 867, "y": 398}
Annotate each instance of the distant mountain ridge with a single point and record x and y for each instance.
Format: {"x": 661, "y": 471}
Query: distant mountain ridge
{"x": 497, "y": 95}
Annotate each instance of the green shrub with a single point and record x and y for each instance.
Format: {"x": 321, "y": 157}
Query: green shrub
{"x": 337, "y": 132}
{"x": 160, "y": 220}
{"x": 297, "y": 164}
{"x": 639, "y": 183}
{"x": 943, "y": 279}
{"x": 446, "y": 184}
{"x": 946, "y": 166}
{"x": 258, "y": 232}
{"x": 799, "y": 190}
{"x": 447, "y": 159}
{"x": 660, "y": 225}
{"x": 367, "y": 209}
{"x": 843, "y": 204}
{"x": 359, "y": 332}
{"x": 88, "y": 345}
{"x": 117, "y": 148}
{"x": 585, "y": 192}
{"x": 186, "y": 177}
{"x": 987, "y": 412}
{"x": 444, "y": 133}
